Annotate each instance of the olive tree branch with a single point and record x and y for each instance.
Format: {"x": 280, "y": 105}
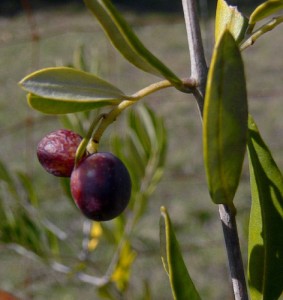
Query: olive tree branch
{"x": 230, "y": 232}
{"x": 197, "y": 58}
{"x": 199, "y": 73}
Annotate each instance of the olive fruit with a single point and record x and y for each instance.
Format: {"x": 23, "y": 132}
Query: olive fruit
{"x": 101, "y": 186}
{"x": 57, "y": 151}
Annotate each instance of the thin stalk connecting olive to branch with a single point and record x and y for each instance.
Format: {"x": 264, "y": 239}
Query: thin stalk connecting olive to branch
{"x": 87, "y": 143}
{"x": 91, "y": 141}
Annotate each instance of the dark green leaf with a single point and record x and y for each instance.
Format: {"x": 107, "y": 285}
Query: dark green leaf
{"x": 71, "y": 85}
{"x": 126, "y": 41}
{"x": 225, "y": 121}
{"x": 265, "y": 10}
{"x": 265, "y": 265}
{"x": 182, "y": 285}
{"x": 229, "y": 18}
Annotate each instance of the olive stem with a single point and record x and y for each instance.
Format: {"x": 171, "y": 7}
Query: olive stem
{"x": 227, "y": 216}
{"x": 86, "y": 143}
{"x": 117, "y": 110}
{"x": 230, "y": 232}
{"x": 197, "y": 57}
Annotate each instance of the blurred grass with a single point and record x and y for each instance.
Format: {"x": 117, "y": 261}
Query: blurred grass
{"x": 183, "y": 190}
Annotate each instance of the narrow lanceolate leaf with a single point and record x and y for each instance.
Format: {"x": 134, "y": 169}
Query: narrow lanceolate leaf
{"x": 126, "y": 41}
{"x": 58, "y": 106}
{"x": 228, "y": 17}
{"x": 265, "y": 262}
{"x": 182, "y": 285}
{"x": 69, "y": 84}
{"x": 225, "y": 121}
{"x": 265, "y": 10}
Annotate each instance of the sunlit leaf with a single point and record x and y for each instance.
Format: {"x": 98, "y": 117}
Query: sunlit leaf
{"x": 260, "y": 31}
{"x": 126, "y": 41}
{"x": 265, "y": 9}
{"x": 229, "y": 18}
{"x": 70, "y": 84}
{"x": 74, "y": 90}
{"x": 182, "y": 285}
{"x": 225, "y": 121}
{"x": 265, "y": 265}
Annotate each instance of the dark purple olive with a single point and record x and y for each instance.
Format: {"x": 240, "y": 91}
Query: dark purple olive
{"x": 57, "y": 151}
{"x": 101, "y": 186}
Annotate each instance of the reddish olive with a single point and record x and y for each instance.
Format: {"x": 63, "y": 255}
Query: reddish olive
{"x": 57, "y": 151}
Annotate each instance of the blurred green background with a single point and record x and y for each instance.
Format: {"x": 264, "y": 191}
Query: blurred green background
{"x": 37, "y": 38}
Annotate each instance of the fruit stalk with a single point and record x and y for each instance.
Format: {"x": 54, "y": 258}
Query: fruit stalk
{"x": 116, "y": 111}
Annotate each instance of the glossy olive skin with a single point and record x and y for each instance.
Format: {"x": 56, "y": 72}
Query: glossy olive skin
{"x": 57, "y": 151}
{"x": 101, "y": 186}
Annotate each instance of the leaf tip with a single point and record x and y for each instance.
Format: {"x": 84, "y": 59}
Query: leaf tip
{"x": 163, "y": 210}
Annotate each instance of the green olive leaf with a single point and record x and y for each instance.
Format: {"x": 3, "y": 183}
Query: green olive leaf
{"x": 225, "y": 121}
{"x": 58, "y": 106}
{"x": 229, "y": 18}
{"x": 182, "y": 285}
{"x": 126, "y": 41}
{"x": 265, "y": 9}
{"x": 265, "y": 246}
{"x": 66, "y": 90}
{"x": 70, "y": 84}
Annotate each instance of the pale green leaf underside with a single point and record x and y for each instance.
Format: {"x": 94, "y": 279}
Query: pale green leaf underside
{"x": 126, "y": 41}
{"x": 265, "y": 249}
{"x": 182, "y": 285}
{"x": 229, "y": 18}
{"x": 70, "y": 84}
{"x": 225, "y": 121}
{"x": 58, "y": 106}
{"x": 265, "y": 10}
